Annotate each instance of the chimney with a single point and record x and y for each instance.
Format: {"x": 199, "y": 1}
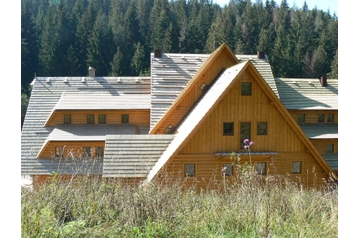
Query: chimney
{"x": 157, "y": 54}
{"x": 323, "y": 81}
{"x": 91, "y": 72}
{"x": 260, "y": 55}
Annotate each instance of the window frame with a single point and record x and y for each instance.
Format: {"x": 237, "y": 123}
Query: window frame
{"x": 225, "y": 172}
{"x": 258, "y": 128}
{"x": 89, "y": 117}
{"x": 225, "y": 128}
{"x": 124, "y": 118}
{"x": 293, "y": 167}
{"x": 322, "y": 116}
{"x": 257, "y": 168}
{"x": 300, "y": 119}
{"x": 330, "y": 118}
{"x": 67, "y": 119}
{"x": 185, "y": 171}
{"x": 244, "y": 135}
{"x": 246, "y": 88}
{"x": 102, "y": 116}
{"x": 329, "y": 150}
{"x": 58, "y": 152}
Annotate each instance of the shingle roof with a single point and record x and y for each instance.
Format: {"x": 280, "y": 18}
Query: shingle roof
{"x": 332, "y": 160}
{"x": 308, "y": 94}
{"x": 133, "y": 155}
{"x": 171, "y": 73}
{"x": 321, "y": 131}
{"x": 102, "y": 101}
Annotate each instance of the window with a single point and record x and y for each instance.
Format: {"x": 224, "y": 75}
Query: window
{"x": 330, "y": 148}
{"x": 320, "y": 117}
{"x": 330, "y": 117}
{"x": 189, "y": 170}
{"x": 245, "y": 89}
{"x": 297, "y": 167}
{"x": 99, "y": 152}
{"x": 125, "y": 118}
{"x": 87, "y": 152}
{"x": 262, "y": 128}
{"x": 102, "y": 118}
{"x": 58, "y": 151}
{"x": 90, "y": 118}
{"x": 67, "y": 118}
{"x": 245, "y": 132}
{"x": 227, "y": 169}
{"x": 228, "y": 128}
{"x": 301, "y": 118}
{"x": 261, "y": 168}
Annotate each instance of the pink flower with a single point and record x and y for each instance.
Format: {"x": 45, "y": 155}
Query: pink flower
{"x": 246, "y": 141}
{"x": 251, "y": 143}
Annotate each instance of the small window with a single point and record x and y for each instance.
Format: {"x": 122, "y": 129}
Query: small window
{"x": 228, "y": 128}
{"x": 67, "y": 119}
{"x": 87, "y": 152}
{"x": 99, "y": 152}
{"x": 227, "y": 169}
{"x": 102, "y": 118}
{"x": 262, "y": 128}
{"x": 330, "y": 148}
{"x": 125, "y": 118}
{"x": 261, "y": 168}
{"x": 58, "y": 151}
{"x": 189, "y": 170}
{"x": 301, "y": 118}
{"x": 90, "y": 118}
{"x": 297, "y": 167}
{"x": 330, "y": 117}
{"x": 246, "y": 89}
{"x": 320, "y": 117}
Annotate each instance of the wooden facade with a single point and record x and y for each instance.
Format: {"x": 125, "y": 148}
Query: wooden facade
{"x": 188, "y": 133}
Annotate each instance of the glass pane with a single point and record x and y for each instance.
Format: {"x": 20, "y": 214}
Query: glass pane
{"x": 330, "y": 118}
{"x": 125, "y": 118}
{"x": 189, "y": 170}
{"x": 330, "y": 148}
{"x": 227, "y": 169}
{"x": 245, "y": 131}
{"x": 99, "y": 152}
{"x": 320, "y": 117}
{"x": 262, "y": 128}
{"x": 301, "y": 117}
{"x": 246, "y": 89}
{"x": 87, "y": 152}
{"x": 67, "y": 118}
{"x": 297, "y": 167}
{"x": 102, "y": 118}
{"x": 90, "y": 119}
{"x": 261, "y": 168}
{"x": 228, "y": 128}
{"x": 58, "y": 151}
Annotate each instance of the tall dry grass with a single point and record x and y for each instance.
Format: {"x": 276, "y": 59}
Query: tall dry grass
{"x": 252, "y": 207}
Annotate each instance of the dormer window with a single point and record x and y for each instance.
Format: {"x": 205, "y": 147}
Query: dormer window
{"x": 125, "y": 118}
{"x": 102, "y": 118}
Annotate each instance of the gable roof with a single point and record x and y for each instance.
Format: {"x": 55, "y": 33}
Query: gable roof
{"x": 308, "y": 94}
{"x": 210, "y": 100}
{"x": 172, "y": 71}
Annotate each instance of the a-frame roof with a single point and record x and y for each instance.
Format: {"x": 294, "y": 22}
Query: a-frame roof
{"x": 210, "y": 100}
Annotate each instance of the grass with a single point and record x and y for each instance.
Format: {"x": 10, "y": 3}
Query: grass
{"x": 93, "y": 207}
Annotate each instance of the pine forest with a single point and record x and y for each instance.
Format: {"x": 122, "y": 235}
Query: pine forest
{"x": 65, "y": 37}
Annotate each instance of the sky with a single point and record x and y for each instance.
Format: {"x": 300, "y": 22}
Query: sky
{"x": 324, "y": 5}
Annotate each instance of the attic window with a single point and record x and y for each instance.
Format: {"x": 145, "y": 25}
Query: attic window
{"x": 58, "y": 151}
{"x": 228, "y": 128}
{"x": 125, "y": 118}
{"x": 296, "y": 167}
{"x": 330, "y": 117}
{"x": 301, "y": 118}
{"x": 67, "y": 119}
{"x": 102, "y": 118}
{"x": 246, "y": 89}
{"x": 320, "y": 118}
{"x": 90, "y": 118}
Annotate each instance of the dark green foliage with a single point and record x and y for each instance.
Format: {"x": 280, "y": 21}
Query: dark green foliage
{"x": 63, "y": 38}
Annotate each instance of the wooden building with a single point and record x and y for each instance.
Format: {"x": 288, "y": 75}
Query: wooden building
{"x": 184, "y": 121}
